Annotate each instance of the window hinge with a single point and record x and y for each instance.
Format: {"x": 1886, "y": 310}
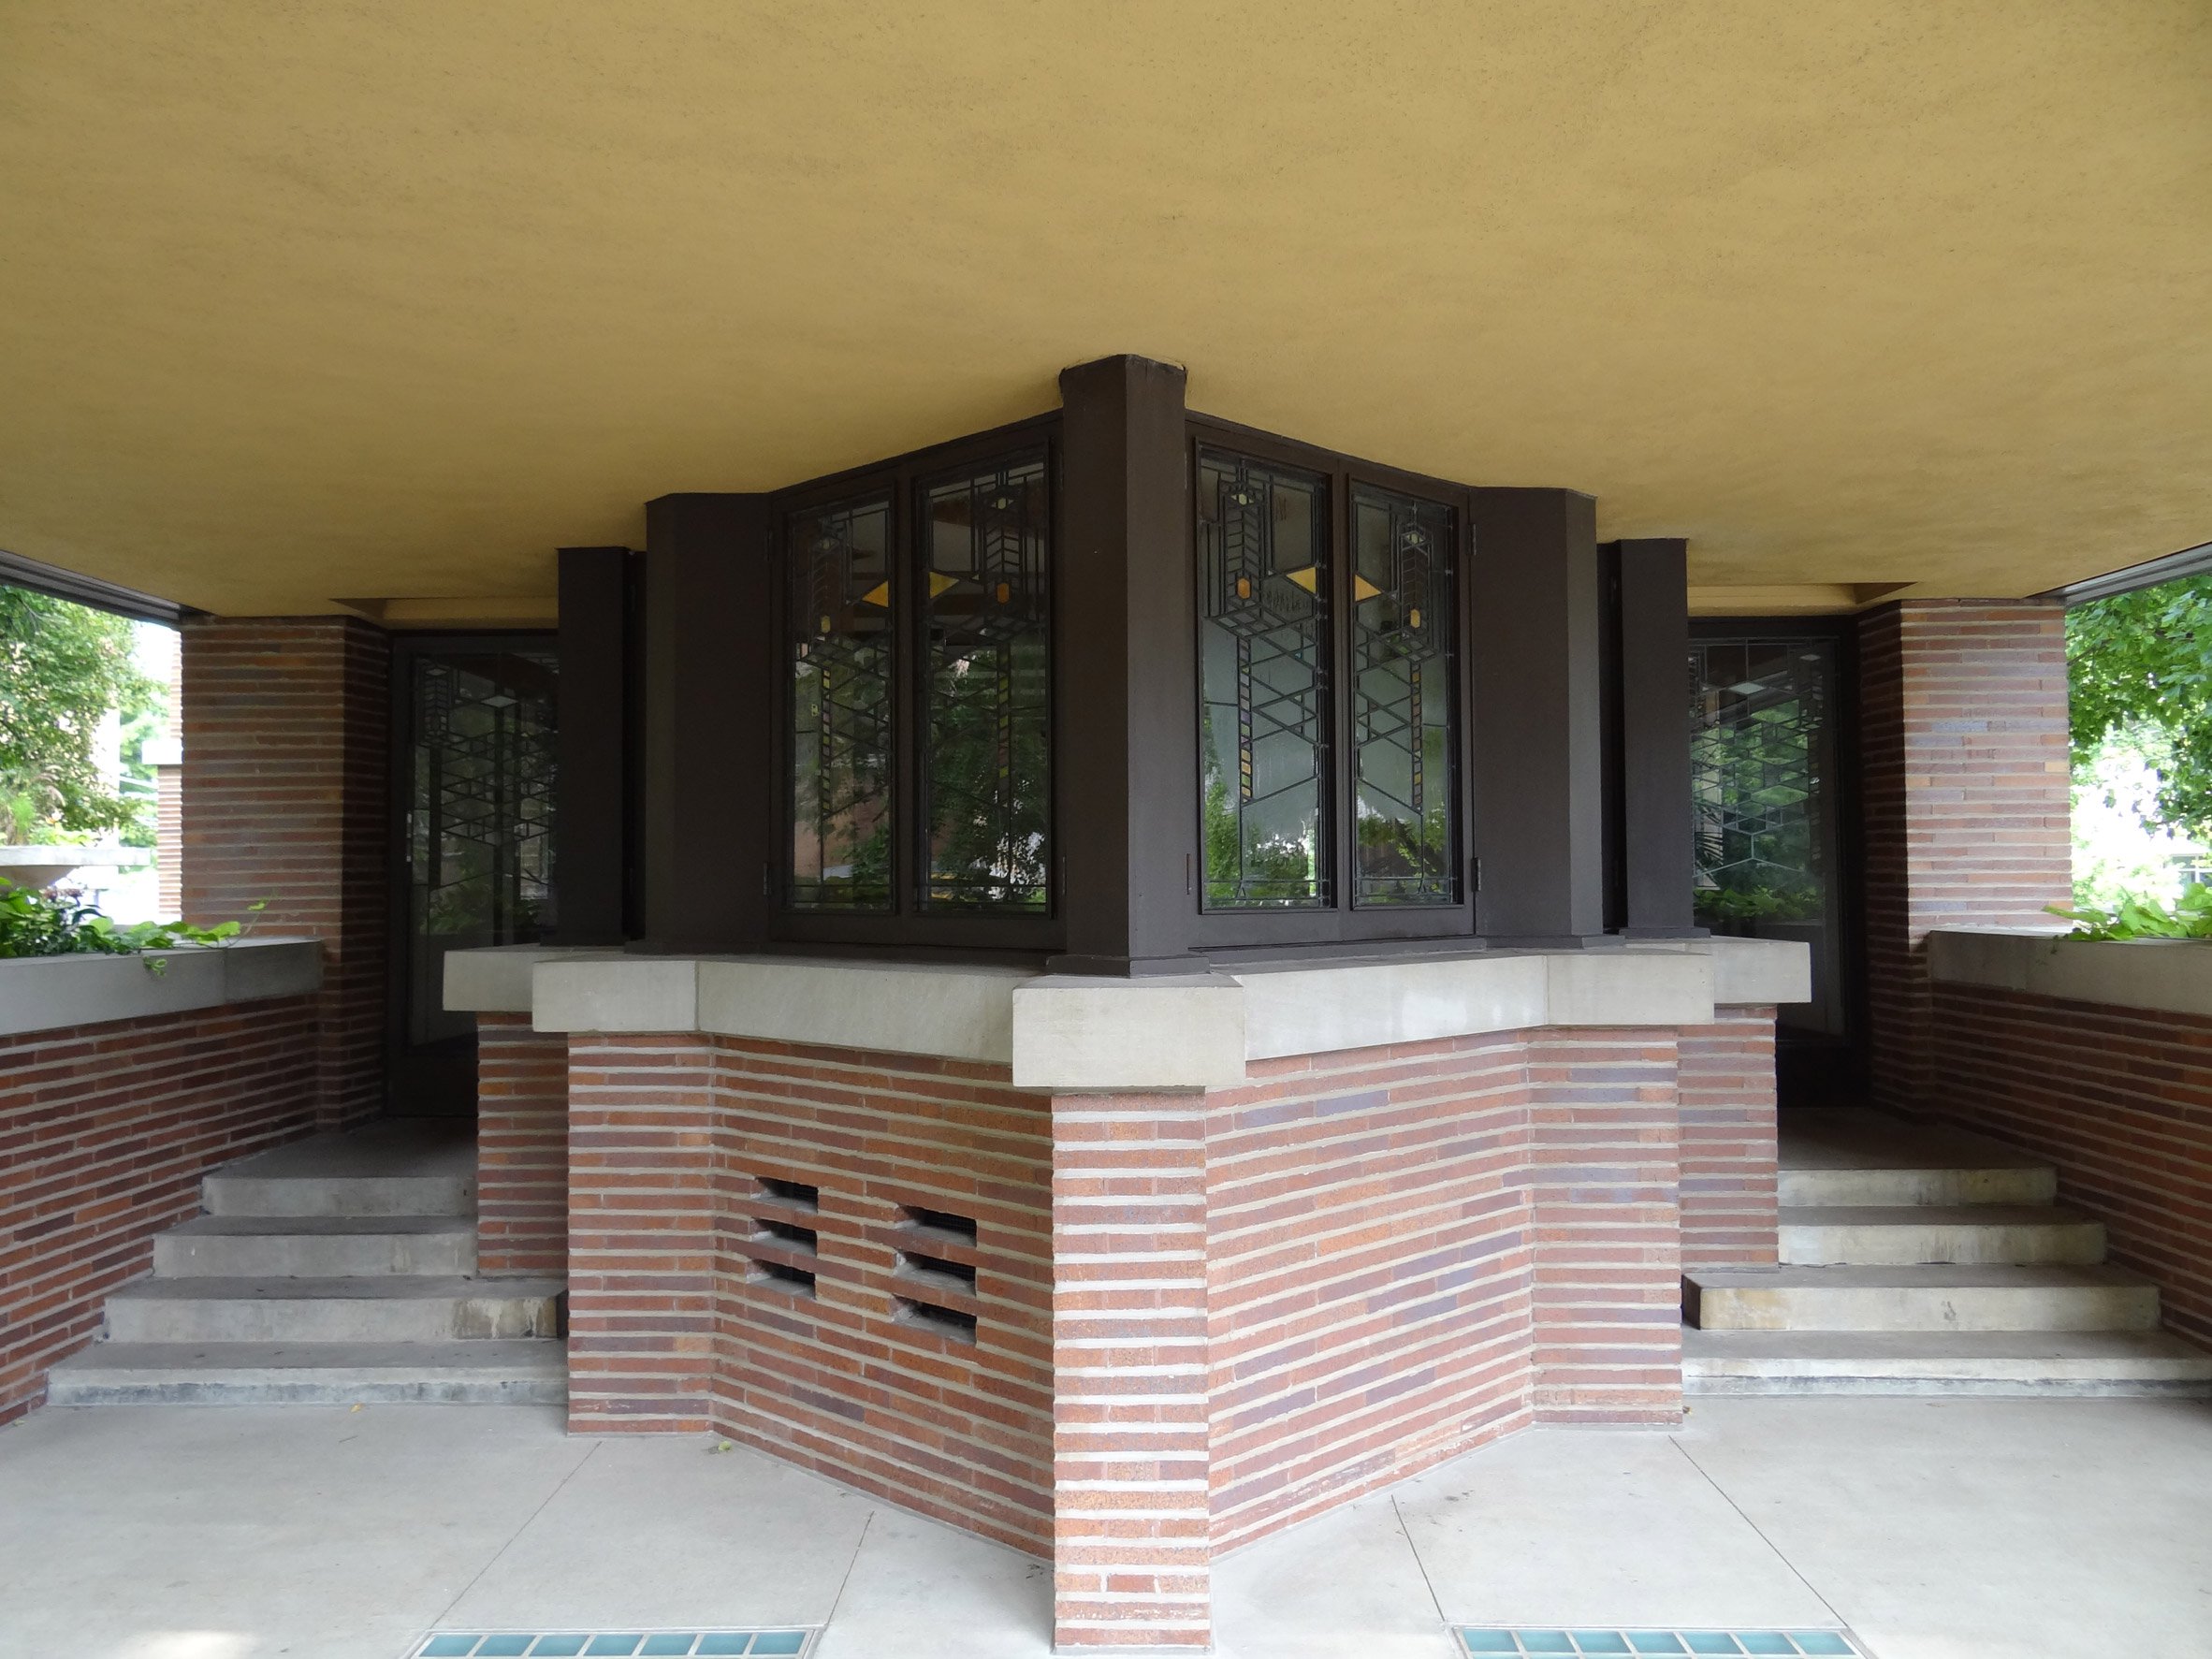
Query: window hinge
{"x": 768, "y": 880}
{"x": 1189, "y": 878}
{"x": 1475, "y": 873}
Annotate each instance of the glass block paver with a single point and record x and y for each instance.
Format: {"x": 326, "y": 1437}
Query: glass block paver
{"x": 1502, "y": 1642}
{"x": 610, "y": 1644}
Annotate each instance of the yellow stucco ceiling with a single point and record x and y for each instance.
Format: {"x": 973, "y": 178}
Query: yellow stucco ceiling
{"x": 308, "y": 300}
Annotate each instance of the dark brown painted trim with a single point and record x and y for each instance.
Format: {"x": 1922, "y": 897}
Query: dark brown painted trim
{"x": 1653, "y": 785}
{"x": 592, "y": 854}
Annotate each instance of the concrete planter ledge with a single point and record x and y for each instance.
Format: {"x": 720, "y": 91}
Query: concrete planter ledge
{"x": 51, "y": 993}
{"x": 2166, "y": 975}
{"x": 1058, "y": 1031}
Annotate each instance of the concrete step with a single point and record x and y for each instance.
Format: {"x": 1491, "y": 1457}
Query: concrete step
{"x": 1985, "y": 1298}
{"x": 1847, "y": 1156}
{"x": 316, "y": 1248}
{"x": 1989, "y": 1362}
{"x": 381, "y": 1308}
{"x": 403, "y": 1167}
{"x": 1890, "y": 1236}
{"x": 313, "y": 1374}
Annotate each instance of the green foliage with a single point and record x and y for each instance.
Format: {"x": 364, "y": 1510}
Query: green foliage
{"x": 2140, "y": 664}
{"x": 1799, "y": 902}
{"x": 2136, "y": 917}
{"x": 39, "y": 922}
{"x": 63, "y": 668}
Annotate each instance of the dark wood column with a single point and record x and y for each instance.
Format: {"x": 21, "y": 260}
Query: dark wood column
{"x": 1654, "y": 716}
{"x": 1127, "y": 770}
{"x": 709, "y": 740}
{"x": 592, "y": 854}
{"x": 1534, "y": 627}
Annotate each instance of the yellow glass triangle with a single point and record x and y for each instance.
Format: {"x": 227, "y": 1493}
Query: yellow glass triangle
{"x": 939, "y": 582}
{"x": 1305, "y": 578}
{"x": 879, "y": 594}
{"x": 1363, "y": 589}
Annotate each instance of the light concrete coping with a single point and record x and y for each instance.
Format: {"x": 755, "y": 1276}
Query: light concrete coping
{"x": 49, "y": 993}
{"x": 2162, "y": 975}
{"x": 1060, "y": 1031}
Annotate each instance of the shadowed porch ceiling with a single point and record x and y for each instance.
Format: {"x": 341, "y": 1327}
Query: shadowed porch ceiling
{"x": 304, "y": 302}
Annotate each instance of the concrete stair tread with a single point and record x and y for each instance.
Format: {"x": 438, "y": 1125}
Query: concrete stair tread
{"x": 538, "y": 1356}
{"x": 2162, "y": 1345}
{"x": 391, "y": 1148}
{"x": 450, "y": 1373}
{"x": 1919, "y": 1215}
{"x": 1856, "y": 1138}
{"x": 1947, "y": 1276}
{"x": 319, "y": 1225}
{"x": 364, "y": 1287}
{"x": 1996, "y": 1364}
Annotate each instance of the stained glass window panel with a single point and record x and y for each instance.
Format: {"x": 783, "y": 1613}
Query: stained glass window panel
{"x": 1263, "y": 607}
{"x": 841, "y": 630}
{"x": 1403, "y": 654}
{"x": 987, "y": 674}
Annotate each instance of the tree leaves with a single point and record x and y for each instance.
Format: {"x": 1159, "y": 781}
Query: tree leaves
{"x": 2142, "y": 663}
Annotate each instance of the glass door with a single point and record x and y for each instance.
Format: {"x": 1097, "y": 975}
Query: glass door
{"x": 474, "y": 776}
{"x": 1767, "y": 705}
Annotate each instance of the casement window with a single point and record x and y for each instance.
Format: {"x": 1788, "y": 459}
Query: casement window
{"x": 1327, "y": 609}
{"x": 918, "y": 667}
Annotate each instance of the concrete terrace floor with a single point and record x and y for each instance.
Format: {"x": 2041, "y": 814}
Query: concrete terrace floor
{"x": 1959, "y": 1529}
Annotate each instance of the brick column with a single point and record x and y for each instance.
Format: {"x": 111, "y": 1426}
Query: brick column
{"x": 640, "y": 1232}
{"x": 521, "y": 1148}
{"x": 287, "y": 738}
{"x": 1725, "y": 1083}
{"x": 1604, "y": 1176}
{"x": 1966, "y": 811}
{"x": 1130, "y": 1548}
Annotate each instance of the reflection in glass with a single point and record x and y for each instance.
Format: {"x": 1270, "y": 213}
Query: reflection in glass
{"x": 480, "y": 795}
{"x": 1263, "y": 605}
{"x": 1402, "y": 670}
{"x": 840, "y": 635}
{"x": 986, "y": 774}
{"x": 1762, "y": 756}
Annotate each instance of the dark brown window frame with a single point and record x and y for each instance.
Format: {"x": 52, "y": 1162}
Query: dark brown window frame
{"x": 1343, "y": 921}
{"x": 908, "y": 923}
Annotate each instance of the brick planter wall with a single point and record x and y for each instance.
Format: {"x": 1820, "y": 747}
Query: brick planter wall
{"x": 287, "y": 732}
{"x": 2119, "y": 1100}
{"x": 105, "y": 1133}
{"x": 521, "y": 1148}
{"x": 1729, "y": 1158}
{"x": 1963, "y": 742}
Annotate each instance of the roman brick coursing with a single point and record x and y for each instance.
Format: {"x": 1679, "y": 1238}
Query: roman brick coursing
{"x": 1725, "y": 1083}
{"x": 2119, "y": 1099}
{"x": 286, "y": 725}
{"x": 1965, "y": 797}
{"x": 521, "y": 1148}
{"x": 105, "y": 1134}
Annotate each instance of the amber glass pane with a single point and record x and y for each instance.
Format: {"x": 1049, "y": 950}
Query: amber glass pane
{"x": 840, "y": 633}
{"x": 987, "y": 672}
{"x": 1402, "y": 653}
{"x": 1263, "y": 607}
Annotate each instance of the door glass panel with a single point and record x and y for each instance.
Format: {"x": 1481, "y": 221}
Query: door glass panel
{"x": 840, "y": 640}
{"x": 1401, "y": 667}
{"x": 986, "y": 777}
{"x": 479, "y": 816}
{"x": 1263, "y": 609}
{"x": 1763, "y": 764}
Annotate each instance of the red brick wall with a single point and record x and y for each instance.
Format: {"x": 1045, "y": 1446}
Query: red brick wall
{"x": 521, "y": 1148}
{"x": 286, "y": 731}
{"x": 640, "y": 1233}
{"x": 1606, "y": 1222}
{"x": 105, "y": 1133}
{"x": 2119, "y": 1100}
{"x": 1132, "y": 1564}
{"x": 1370, "y": 1272}
{"x": 838, "y": 1382}
{"x": 1965, "y": 787}
{"x": 1729, "y": 1161}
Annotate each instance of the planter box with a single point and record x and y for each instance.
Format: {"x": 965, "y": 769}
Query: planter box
{"x": 46, "y": 993}
{"x": 2165, "y": 975}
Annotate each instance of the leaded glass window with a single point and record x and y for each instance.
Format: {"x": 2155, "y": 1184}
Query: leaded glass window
{"x": 986, "y": 679}
{"x": 1263, "y": 607}
{"x": 841, "y": 633}
{"x": 1401, "y": 699}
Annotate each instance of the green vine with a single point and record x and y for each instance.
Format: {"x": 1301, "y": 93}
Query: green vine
{"x": 39, "y": 922}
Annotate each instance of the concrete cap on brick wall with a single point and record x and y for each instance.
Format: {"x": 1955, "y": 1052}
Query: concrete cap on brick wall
{"x": 1072, "y": 1033}
{"x": 2164, "y": 976}
{"x": 51, "y": 992}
